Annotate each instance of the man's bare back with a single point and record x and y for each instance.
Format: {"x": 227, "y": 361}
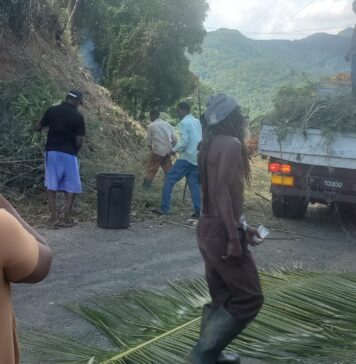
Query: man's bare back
{"x": 225, "y": 189}
{"x": 225, "y": 178}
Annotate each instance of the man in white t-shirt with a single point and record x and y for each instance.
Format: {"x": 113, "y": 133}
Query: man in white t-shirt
{"x": 160, "y": 139}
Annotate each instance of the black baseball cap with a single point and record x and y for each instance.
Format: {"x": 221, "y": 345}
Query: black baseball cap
{"x": 77, "y": 95}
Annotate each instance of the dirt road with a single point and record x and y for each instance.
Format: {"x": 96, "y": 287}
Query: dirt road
{"x": 89, "y": 261}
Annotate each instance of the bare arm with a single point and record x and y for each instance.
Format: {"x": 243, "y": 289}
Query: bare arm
{"x": 44, "y": 121}
{"x": 42, "y": 267}
{"x": 79, "y": 140}
{"x": 228, "y": 164}
{"x": 4, "y": 204}
{"x": 23, "y": 258}
{"x": 80, "y": 133}
{"x": 38, "y": 126}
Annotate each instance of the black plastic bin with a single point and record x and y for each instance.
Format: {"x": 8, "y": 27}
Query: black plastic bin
{"x": 114, "y": 199}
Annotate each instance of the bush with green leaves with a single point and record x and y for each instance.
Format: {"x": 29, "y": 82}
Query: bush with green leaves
{"x": 142, "y": 46}
{"x": 23, "y": 102}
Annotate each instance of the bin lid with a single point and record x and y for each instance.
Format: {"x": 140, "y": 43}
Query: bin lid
{"x": 114, "y": 175}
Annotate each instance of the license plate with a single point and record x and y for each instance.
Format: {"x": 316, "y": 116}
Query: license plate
{"x": 333, "y": 184}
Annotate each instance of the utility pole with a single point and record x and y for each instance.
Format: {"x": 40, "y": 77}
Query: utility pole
{"x": 199, "y": 100}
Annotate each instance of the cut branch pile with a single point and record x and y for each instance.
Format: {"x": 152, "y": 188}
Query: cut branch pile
{"x": 303, "y": 108}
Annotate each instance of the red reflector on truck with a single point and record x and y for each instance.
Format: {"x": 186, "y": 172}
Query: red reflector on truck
{"x": 280, "y": 168}
{"x": 274, "y": 167}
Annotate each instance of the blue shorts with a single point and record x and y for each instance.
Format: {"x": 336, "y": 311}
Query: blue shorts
{"x": 62, "y": 172}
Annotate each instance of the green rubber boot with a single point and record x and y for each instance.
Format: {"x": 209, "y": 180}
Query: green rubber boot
{"x": 219, "y": 328}
{"x": 224, "y": 358}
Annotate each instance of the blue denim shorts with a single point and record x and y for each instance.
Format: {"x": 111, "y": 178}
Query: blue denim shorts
{"x": 62, "y": 172}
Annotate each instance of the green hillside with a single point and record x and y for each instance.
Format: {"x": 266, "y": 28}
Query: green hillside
{"x": 252, "y": 70}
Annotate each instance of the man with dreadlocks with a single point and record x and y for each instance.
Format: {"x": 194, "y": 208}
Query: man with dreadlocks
{"x": 230, "y": 268}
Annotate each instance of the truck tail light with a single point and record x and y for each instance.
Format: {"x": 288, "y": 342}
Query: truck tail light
{"x": 274, "y": 167}
{"x": 280, "y": 180}
{"x": 286, "y": 168}
{"x": 280, "y": 168}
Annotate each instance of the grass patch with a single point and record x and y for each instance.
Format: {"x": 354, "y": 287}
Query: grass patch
{"x": 256, "y": 208}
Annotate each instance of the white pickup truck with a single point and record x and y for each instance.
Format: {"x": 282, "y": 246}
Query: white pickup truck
{"x": 308, "y": 168}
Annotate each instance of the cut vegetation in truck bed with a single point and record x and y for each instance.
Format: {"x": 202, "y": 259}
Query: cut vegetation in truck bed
{"x": 303, "y": 108}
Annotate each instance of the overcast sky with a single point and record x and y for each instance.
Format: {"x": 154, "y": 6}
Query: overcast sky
{"x": 284, "y": 19}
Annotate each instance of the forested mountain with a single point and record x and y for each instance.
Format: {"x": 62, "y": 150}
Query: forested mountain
{"x": 252, "y": 70}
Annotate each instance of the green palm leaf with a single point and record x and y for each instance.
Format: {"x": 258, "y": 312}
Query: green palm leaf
{"x": 306, "y": 315}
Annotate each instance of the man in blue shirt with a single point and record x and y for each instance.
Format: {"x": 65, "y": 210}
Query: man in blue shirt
{"x": 186, "y": 166}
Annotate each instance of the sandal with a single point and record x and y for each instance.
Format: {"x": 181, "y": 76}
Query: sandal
{"x": 68, "y": 223}
{"x": 52, "y": 225}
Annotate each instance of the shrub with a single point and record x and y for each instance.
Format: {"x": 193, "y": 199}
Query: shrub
{"x": 22, "y": 104}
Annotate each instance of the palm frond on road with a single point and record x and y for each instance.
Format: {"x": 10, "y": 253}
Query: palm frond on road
{"x": 306, "y": 315}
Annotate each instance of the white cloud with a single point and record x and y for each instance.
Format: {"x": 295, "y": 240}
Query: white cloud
{"x": 289, "y": 19}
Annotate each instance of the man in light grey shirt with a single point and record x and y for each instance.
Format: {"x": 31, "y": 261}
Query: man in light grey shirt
{"x": 160, "y": 139}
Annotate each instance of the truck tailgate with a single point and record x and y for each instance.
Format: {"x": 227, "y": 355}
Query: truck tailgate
{"x": 309, "y": 147}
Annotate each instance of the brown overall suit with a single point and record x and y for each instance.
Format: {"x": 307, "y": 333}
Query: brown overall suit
{"x": 237, "y": 288}
{"x": 230, "y": 269}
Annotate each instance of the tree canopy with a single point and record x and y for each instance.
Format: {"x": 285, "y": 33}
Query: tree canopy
{"x": 142, "y": 46}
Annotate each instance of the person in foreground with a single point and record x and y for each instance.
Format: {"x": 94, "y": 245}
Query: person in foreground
{"x": 231, "y": 272}
{"x": 66, "y": 130}
{"x": 24, "y": 258}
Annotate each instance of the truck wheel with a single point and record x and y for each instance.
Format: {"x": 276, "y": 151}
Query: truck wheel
{"x": 297, "y": 207}
{"x": 346, "y": 210}
{"x": 279, "y": 206}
